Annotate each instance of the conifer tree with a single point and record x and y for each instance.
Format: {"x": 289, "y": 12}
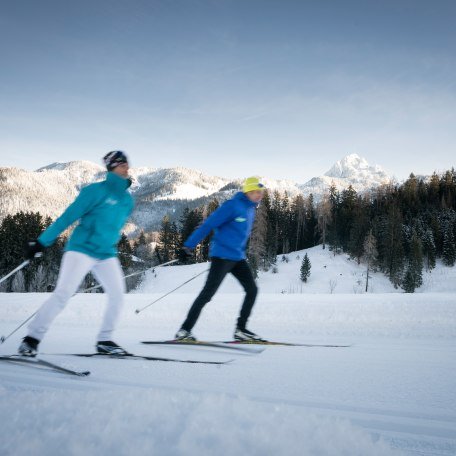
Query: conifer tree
{"x": 305, "y": 268}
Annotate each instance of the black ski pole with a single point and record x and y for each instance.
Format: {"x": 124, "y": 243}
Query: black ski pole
{"x": 169, "y": 292}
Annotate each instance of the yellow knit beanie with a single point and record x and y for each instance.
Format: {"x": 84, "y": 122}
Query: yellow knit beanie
{"x": 251, "y": 184}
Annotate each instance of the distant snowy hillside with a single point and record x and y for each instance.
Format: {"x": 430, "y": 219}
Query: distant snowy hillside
{"x": 160, "y": 191}
{"x": 329, "y": 274}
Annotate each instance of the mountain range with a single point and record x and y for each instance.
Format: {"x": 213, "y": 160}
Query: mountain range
{"x": 164, "y": 190}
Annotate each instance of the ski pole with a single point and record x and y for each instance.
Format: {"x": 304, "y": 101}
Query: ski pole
{"x": 169, "y": 292}
{"x": 131, "y": 275}
{"x": 4, "y": 338}
{"x": 22, "y": 265}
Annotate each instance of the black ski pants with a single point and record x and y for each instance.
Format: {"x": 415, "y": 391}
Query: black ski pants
{"x": 218, "y": 270}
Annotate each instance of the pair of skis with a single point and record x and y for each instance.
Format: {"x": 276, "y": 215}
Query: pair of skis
{"x": 253, "y": 347}
{"x": 43, "y": 364}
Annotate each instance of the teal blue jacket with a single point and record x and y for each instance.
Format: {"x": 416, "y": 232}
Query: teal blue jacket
{"x": 102, "y": 210}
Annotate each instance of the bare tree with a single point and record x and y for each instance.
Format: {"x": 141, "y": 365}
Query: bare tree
{"x": 324, "y": 217}
{"x": 370, "y": 254}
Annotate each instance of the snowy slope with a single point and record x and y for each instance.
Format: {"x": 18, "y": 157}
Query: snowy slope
{"x": 337, "y": 274}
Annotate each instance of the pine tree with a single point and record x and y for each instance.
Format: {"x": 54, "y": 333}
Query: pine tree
{"x": 189, "y": 222}
{"x": 165, "y": 240}
{"x": 359, "y": 230}
{"x": 125, "y": 252}
{"x": 414, "y": 275}
{"x": 346, "y": 216}
{"x": 174, "y": 240}
{"x": 305, "y": 268}
{"x": 449, "y": 245}
{"x": 429, "y": 249}
{"x": 334, "y": 233}
{"x": 388, "y": 231}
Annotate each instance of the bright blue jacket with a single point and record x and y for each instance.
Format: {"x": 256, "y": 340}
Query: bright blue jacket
{"x": 232, "y": 223}
{"x": 102, "y": 209}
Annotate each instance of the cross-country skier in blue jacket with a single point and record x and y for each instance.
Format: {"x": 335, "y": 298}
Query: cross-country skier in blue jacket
{"x": 232, "y": 224}
{"x": 102, "y": 209}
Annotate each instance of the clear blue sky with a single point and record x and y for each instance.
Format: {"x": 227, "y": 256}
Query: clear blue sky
{"x": 232, "y": 87}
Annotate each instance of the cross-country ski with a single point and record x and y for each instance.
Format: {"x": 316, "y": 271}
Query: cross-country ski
{"x": 284, "y": 344}
{"x": 41, "y": 363}
{"x": 200, "y": 343}
{"x": 140, "y": 357}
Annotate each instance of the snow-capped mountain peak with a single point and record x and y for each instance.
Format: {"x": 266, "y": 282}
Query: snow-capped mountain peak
{"x": 349, "y": 166}
{"x": 351, "y": 170}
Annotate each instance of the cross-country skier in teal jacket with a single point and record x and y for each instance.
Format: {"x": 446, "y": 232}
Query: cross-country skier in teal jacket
{"x": 102, "y": 209}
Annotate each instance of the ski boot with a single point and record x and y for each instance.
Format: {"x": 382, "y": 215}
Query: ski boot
{"x": 184, "y": 336}
{"x": 108, "y": 347}
{"x": 28, "y": 347}
{"x": 244, "y": 335}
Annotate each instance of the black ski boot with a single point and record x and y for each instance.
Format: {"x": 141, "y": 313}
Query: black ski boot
{"x": 108, "y": 347}
{"x": 28, "y": 347}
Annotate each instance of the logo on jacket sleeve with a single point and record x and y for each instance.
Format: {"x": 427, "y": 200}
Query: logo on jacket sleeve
{"x": 111, "y": 201}
{"x": 240, "y": 219}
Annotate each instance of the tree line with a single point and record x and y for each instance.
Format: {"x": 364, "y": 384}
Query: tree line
{"x": 399, "y": 229}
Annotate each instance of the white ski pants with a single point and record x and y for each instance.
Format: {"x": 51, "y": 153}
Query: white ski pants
{"x": 75, "y": 266}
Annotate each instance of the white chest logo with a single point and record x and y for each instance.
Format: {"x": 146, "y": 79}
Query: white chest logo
{"x": 111, "y": 201}
{"x": 240, "y": 219}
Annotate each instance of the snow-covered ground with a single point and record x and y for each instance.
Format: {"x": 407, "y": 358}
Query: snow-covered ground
{"x": 393, "y": 391}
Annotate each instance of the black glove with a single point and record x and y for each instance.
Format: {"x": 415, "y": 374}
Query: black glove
{"x": 185, "y": 254}
{"x": 33, "y": 249}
